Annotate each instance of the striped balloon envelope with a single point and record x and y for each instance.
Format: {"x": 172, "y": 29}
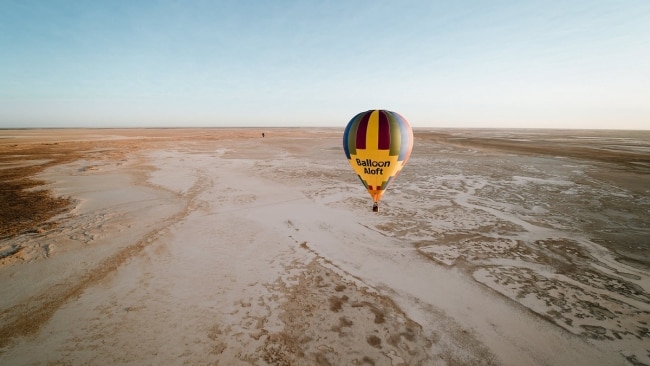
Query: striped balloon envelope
{"x": 377, "y": 144}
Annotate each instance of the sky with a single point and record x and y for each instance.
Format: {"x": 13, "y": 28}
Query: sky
{"x": 491, "y": 63}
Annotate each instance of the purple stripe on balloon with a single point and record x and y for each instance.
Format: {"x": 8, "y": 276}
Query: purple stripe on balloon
{"x": 362, "y": 130}
{"x": 383, "y": 142}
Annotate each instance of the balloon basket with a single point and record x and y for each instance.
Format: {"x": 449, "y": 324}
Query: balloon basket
{"x": 375, "y": 208}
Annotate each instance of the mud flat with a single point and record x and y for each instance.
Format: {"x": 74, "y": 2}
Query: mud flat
{"x": 218, "y": 246}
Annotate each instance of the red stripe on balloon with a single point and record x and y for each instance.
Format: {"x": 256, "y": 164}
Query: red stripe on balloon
{"x": 383, "y": 142}
{"x": 362, "y": 130}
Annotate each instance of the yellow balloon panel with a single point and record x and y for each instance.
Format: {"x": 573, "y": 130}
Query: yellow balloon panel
{"x": 375, "y": 168}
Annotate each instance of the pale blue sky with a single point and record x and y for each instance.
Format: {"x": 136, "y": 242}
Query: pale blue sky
{"x": 550, "y": 64}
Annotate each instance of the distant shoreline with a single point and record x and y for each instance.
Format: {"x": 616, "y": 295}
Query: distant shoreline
{"x": 424, "y": 128}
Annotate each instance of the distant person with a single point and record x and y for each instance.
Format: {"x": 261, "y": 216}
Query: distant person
{"x": 262, "y": 134}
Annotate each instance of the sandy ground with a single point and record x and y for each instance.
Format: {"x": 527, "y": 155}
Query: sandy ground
{"x": 218, "y": 246}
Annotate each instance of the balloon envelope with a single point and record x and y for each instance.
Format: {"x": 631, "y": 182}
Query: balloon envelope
{"x": 377, "y": 144}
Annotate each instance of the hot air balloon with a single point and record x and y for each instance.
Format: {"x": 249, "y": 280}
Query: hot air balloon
{"x": 377, "y": 144}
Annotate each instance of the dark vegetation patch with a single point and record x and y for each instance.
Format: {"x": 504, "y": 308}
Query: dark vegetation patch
{"x": 23, "y": 206}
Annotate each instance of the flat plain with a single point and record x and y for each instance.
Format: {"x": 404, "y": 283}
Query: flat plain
{"x": 220, "y": 246}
